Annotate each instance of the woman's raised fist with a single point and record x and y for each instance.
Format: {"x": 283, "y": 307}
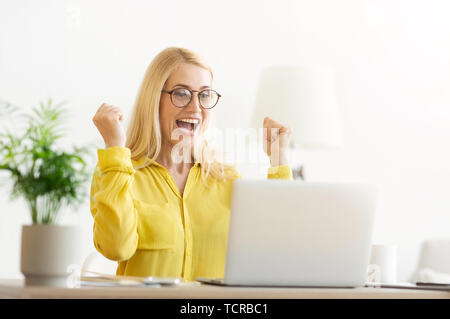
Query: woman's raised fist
{"x": 109, "y": 122}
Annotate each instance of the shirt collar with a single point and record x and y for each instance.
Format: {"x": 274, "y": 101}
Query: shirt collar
{"x": 146, "y": 159}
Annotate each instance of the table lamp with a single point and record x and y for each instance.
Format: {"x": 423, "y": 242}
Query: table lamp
{"x": 303, "y": 99}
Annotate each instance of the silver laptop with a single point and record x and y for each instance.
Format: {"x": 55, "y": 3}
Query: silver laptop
{"x": 294, "y": 233}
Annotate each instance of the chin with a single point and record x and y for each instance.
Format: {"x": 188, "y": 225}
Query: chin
{"x": 180, "y": 134}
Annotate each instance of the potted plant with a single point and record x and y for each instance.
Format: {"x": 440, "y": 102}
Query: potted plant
{"x": 48, "y": 179}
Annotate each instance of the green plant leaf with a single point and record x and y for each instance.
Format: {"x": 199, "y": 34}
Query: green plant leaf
{"x": 45, "y": 177}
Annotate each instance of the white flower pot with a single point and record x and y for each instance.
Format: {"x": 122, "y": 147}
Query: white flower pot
{"x": 47, "y": 253}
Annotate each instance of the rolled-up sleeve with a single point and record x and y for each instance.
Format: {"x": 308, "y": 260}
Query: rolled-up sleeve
{"x": 111, "y": 204}
{"x": 280, "y": 172}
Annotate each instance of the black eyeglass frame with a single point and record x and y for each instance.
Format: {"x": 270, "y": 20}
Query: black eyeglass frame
{"x": 192, "y": 94}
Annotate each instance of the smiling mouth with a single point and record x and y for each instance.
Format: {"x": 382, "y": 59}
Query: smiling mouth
{"x": 188, "y": 124}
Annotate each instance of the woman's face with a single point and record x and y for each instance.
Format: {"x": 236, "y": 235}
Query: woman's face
{"x": 184, "y": 121}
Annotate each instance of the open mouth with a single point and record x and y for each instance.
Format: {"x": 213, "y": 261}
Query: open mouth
{"x": 188, "y": 124}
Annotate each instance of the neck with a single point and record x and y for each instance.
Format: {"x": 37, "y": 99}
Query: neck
{"x": 165, "y": 159}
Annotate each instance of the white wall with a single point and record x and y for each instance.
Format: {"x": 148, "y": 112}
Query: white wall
{"x": 391, "y": 60}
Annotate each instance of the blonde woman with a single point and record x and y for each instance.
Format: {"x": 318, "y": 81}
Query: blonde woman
{"x": 155, "y": 214}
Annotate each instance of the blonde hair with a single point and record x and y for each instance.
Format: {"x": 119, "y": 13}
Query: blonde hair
{"x": 144, "y": 132}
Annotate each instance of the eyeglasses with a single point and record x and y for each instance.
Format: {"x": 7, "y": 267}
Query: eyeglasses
{"x": 181, "y": 97}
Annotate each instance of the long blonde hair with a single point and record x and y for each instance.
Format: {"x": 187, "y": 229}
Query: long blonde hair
{"x": 144, "y": 132}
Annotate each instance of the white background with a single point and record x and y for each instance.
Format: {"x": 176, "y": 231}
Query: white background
{"x": 392, "y": 65}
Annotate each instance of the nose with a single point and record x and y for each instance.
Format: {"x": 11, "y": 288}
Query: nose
{"x": 194, "y": 104}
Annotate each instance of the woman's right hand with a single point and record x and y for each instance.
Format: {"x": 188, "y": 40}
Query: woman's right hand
{"x": 109, "y": 122}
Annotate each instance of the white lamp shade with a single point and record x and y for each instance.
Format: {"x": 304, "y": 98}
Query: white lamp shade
{"x": 303, "y": 99}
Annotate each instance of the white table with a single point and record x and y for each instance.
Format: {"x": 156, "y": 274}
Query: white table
{"x": 14, "y": 288}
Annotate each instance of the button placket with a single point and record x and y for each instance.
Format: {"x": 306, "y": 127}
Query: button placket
{"x": 193, "y": 173}
{"x": 188, "y": 242}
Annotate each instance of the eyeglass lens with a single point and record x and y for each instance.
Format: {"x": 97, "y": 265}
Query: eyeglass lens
{"x": 182, "y": 97}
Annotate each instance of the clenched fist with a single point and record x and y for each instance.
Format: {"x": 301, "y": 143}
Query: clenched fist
{"x": 276, "y": 141}
{"x": 109, "y": 122}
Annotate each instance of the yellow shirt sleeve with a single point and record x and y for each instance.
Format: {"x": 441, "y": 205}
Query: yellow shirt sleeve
{"x": 280, "y": 172}
{"x": 111, "y": 203}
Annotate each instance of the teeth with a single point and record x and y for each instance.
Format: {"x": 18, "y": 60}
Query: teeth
{"x": 193, "y": 121}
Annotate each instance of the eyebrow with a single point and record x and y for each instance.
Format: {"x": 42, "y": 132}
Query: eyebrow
{"x": 187, "y": 86}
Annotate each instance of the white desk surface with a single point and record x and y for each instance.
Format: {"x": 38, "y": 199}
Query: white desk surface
{"x": 14, "y": 288}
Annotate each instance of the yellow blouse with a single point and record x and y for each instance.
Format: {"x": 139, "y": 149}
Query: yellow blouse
{"x": 142, "y": 221}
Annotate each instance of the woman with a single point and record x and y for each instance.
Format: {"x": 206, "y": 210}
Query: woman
{"x": 155, "y": 214}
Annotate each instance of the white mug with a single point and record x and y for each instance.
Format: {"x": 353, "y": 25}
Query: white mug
{"x": 383, "y": 264}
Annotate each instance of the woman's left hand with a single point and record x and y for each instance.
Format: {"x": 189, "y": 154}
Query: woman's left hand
{"x": 276, "y": 138}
